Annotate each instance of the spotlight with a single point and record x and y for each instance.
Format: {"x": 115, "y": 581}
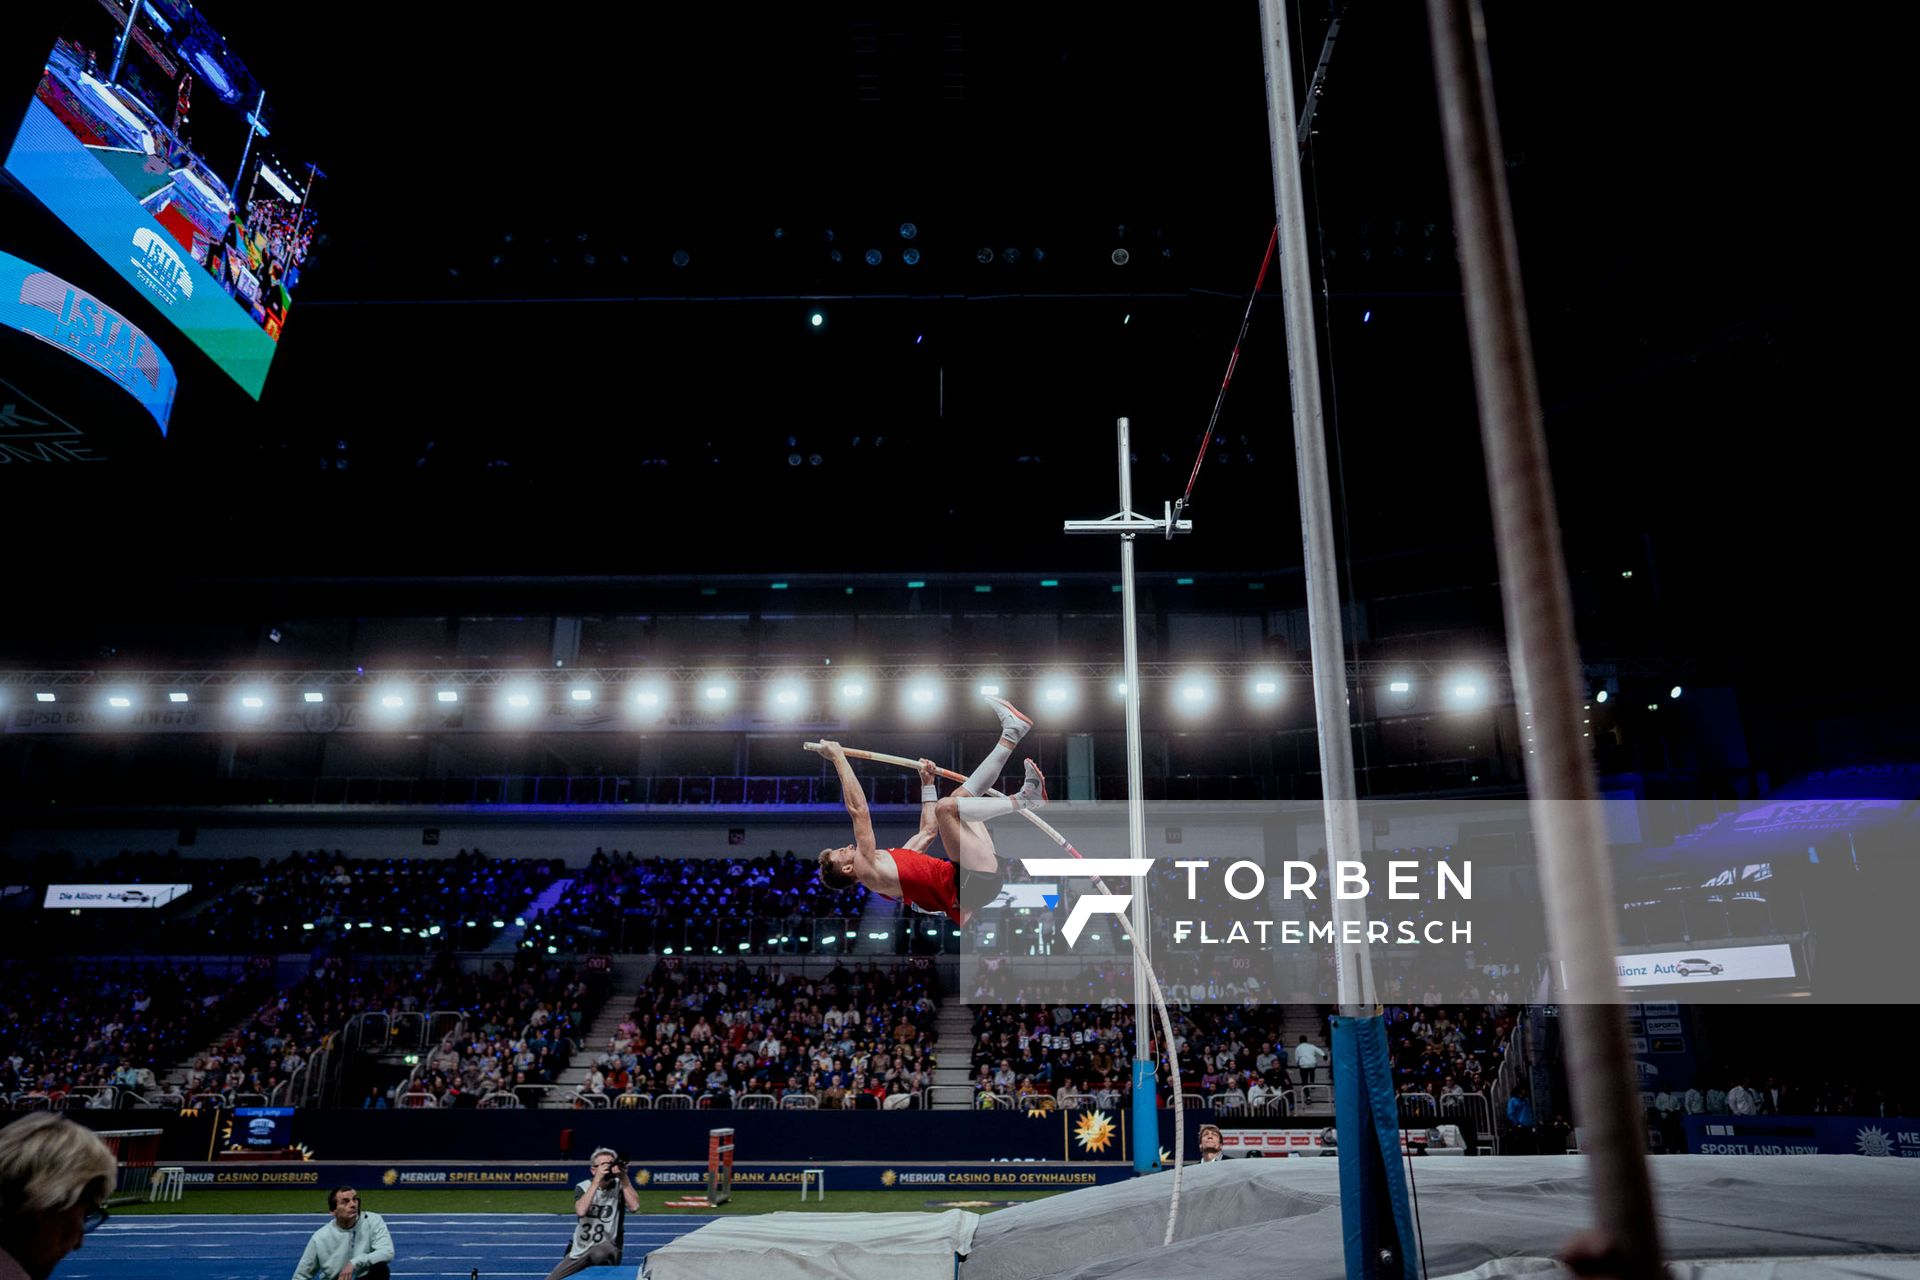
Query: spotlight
{"x": 908, "y": 231}
{"x": 983, "y": 256}
{"x": 176, "y": 696}
{"x": 1119, "y": 688}
{"x": 714, "y": 692}
{"x": 1601, "y": 696}
{"x": 43, "y": 697}
{"x": 312, "y": 696}
{"x": 911, "y": 257}
{"x": 1010, "y": 256}
{"x": 1057, "y": 692}
{"x": 392, "y": 698}
{"x": 853, "y": 692}
{"x": 649, "y": 699}
{"x": 251, "y": 701}
{"x": 991, "y": 689}
{"x": 1266, "y": 688}
{"x": 1194, "y": 693}
{"x": 1121, "y": 257}
{"x": 518, "y": 701}
{"x": 1400, "y": 686}
{"x": 788, "y": 697}
{"x": 581, "y": 695}
{"x": 816, "y": 319}
{"x": 1674, "y": 692}
{"x": 119, "y": 701}
{"x": 922, "y": 696}
{"x": 874, "y": 257}
{"x": 1464, "y": 690}
{"x": 681, "y": 257}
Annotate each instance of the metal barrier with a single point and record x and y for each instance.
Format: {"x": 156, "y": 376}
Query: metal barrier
{"x": 1229, "y": 1104}
{"x": 1417, "y": 1110}
{"x": 634, "y": 1102}
{"x": 986, "y": 1100}
{"x": 926, "y": 1094}
{"x": 94, "y": 1097}
{"x": 174, "y": 1100}
{"x": 1309, "y": 1095}
{"x": 34, "y": 1101}
{"x": 419, "y": 1100}
{"x": 673, "y": 1102}
{"x": 1474, "y": 1113}
{"x": 500, "y": 1100}
{"x": 289, "y": 1089}
{"x": 1068, "y": 1101}
{"x": 200, "y": 1100}
{"x": 755, "y": 1102}
{"x": 800, "y": 1102}
{"x": 1192, "y": 1101}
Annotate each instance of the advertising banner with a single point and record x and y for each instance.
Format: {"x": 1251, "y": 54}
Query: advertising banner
{"x": 1804, "y": 1136}
{"x": 94, "y": 897}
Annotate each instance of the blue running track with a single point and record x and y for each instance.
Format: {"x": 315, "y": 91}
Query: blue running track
{"x": 446, "y": 1246}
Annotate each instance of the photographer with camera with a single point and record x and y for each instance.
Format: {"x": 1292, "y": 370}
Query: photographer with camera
{"x": 605, "y": 1200}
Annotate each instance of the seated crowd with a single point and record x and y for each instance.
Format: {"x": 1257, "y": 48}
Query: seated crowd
{"x": 717, "y": 1032}
{"x": 385, "y": 905}
{"x": 519, "y": 1027}
{"x": 642, "y": 904}
{"x": 67, "y": 1027}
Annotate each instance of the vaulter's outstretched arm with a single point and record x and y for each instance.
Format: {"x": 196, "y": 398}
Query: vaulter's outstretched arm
{"x": 855, "y": 799}
{"x": 929, "y": 829}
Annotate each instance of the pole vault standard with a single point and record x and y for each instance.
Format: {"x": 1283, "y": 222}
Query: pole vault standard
{"x": 1141, "y": 962}
{"x": 1540, "y": 639}
{"x": 1129, "y": 524}
{"x": 1375, "y": 1213}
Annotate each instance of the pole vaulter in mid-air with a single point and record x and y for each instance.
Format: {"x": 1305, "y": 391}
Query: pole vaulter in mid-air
{"x": 970, "y": 876}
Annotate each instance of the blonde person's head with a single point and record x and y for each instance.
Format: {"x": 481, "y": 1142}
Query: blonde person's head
{"x": 49, "y": 1164}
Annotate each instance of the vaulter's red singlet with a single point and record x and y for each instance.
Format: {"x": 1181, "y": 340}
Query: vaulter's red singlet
{"x": 932, "y": 884}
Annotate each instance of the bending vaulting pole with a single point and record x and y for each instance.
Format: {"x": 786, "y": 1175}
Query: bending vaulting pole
{"x": 1352, "y": 965}
{"x": 1139, "y": 953}
{"x": 1540, "y": 640}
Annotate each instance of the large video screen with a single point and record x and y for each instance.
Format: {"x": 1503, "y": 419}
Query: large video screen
{"x": 154, "y": 143}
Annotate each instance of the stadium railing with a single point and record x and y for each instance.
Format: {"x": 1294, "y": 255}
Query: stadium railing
{"x": 418, "y": 1100}
{"x": 800, "y": 1102}
{"x": 755, "y": 1102}
{"x": 202, "y": 1101}
{"x": 499, "y": 1099}
{"x": 673, "y": 1102}
{"x": 633, "y": 1102}
{"x": 1474, "y": 1113}
{"x": 1417, "y": 1110}
{"x": 962, "y": 1091}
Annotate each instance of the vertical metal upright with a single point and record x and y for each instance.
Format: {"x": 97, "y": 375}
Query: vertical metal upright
{"x": 1129, "y": 525}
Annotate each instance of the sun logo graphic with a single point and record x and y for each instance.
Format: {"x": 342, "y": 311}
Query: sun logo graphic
{"x": 1094, "y": 1132}
{"x": 390, "y": 1177}
{"x": 641, "y": 1177}
{"x": 888, "y": 1177}
{"x": 1039, "y": 1107}
{"x": 1090, "y": 904}
{"x": 1873, "y": 1141}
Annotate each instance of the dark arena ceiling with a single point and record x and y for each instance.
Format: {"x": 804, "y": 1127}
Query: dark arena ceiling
{"x": 498, "y": 365}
